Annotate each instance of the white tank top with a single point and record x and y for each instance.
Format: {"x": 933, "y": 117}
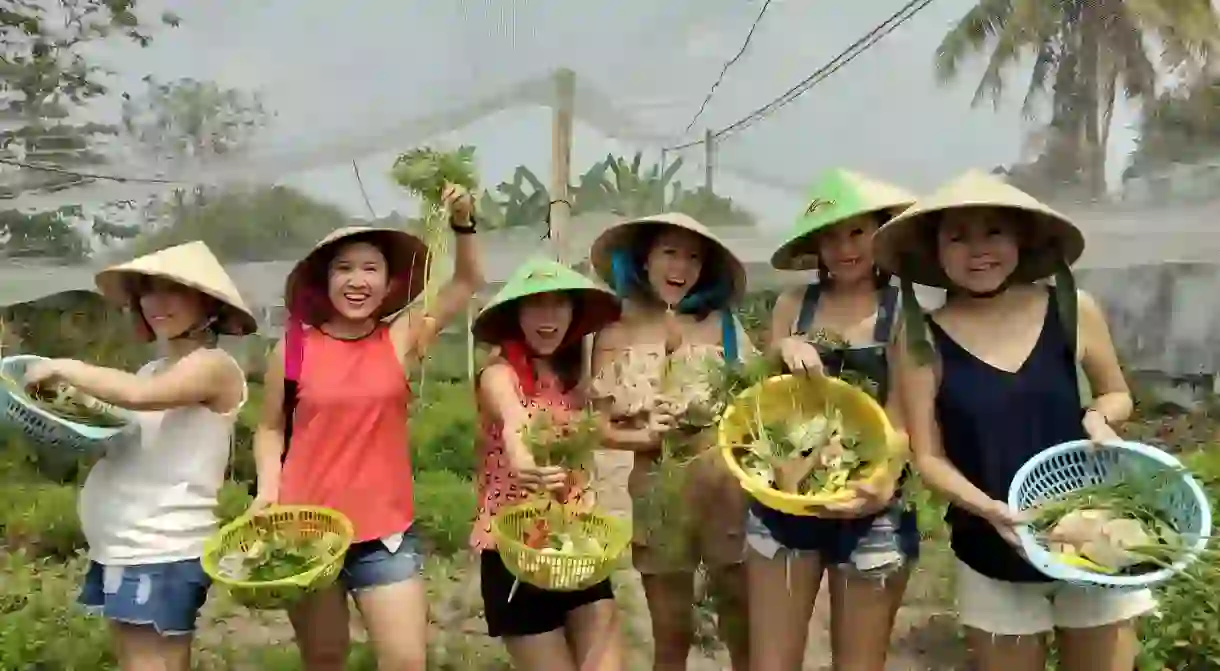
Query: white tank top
{"x": 151, "y": 499}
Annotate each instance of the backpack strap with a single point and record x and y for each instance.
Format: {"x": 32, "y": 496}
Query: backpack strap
{"x": 809, "y": 306}
{"x": 728, "y": 336}
{"x": 294, "y": 356}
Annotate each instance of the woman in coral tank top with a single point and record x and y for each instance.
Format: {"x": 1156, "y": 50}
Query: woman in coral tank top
{"x": 334, "y": 426}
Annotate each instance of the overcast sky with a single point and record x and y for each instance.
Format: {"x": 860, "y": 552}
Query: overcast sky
{"x": 345, "y": 79}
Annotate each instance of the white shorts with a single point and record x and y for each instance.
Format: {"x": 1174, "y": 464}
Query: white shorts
{"x": 1024, "y": 609}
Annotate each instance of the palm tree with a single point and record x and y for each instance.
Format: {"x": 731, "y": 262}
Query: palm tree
{"x": 1083, "y": 50}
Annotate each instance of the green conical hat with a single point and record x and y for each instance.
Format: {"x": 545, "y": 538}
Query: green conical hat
{"x": 597, "y": 306}
{"x": 837, "y": 196}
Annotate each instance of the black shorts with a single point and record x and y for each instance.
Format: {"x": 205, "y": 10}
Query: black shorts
{"x": 532, "y": 611}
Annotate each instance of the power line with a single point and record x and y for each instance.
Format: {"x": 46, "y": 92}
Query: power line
{"x": 85, "y": 175}
{"x": 821, "y": 74}
{"x": 730, "y": 63}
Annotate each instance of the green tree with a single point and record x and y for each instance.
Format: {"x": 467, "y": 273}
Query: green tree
{"x": 1182, "y": 126}
{"x": 46, "y": 75}
{"x": 614, "y": 185}
{"x": 1083, "y": 51}
{"x": 255, "y": 224}
{"x": 188, "y": 118}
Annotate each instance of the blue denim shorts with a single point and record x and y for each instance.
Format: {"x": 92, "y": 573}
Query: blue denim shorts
{"x": 371, "y": 564}
{"x": 166, "y": 597}
{"x": 874, "y": 546}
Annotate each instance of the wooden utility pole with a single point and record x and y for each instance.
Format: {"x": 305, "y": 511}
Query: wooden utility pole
{"x": 561, "y": 159}
{"x": 709, "y": 158}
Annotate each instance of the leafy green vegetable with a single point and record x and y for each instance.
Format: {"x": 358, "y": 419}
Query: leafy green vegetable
{"x": 279, "y": 555}
{"x": 425, "y": 171}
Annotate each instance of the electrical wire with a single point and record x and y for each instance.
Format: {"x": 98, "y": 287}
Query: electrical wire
{"x": 85, "y": 175}
{"x": 730, "y": 63}
{"x": 849, "y": 54}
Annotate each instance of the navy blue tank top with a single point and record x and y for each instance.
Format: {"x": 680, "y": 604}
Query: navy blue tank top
{"x": 992, "y": 422}
{"x": 811, "y": 533}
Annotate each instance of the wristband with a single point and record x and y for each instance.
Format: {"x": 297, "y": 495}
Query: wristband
{"x": 1102, "y": 414}
{"x": 469, "y": 229}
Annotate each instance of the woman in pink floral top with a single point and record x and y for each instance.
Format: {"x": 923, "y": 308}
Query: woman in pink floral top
{"x": 538, "y": 320}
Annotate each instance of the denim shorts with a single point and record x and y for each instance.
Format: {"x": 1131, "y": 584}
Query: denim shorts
{"x": 371, "y": 564}
{"x": 871, "y": 547}
{"x": 166, "y": 597}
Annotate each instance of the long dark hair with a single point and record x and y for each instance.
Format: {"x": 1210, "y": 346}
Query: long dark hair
{"x": 567, "y": 361}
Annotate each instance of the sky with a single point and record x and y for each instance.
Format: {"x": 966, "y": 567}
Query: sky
{"x": 355, "y": 81}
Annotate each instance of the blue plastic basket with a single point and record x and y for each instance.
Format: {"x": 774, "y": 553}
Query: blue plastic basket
{"x": 40, "y": 426}
{"x": 1065, "y": 468}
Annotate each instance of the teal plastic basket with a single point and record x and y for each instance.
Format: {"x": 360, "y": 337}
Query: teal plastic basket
{"x": 46, "y": 430}
{"x": 1069, "y": 467}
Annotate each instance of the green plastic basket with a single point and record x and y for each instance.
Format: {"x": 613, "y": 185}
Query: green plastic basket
{"x": 552, "y": 571}
{"x": 293, "y": 521}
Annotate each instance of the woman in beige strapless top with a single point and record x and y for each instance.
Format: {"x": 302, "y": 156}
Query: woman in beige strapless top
{"x": 678, "y": 281}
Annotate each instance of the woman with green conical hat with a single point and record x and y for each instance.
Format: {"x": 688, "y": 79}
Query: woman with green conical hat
{"x": 538, "y": 321}
{"x": 679, "y": 283}
{"x": 865, "y": 547}
{"x": 988, "y": 381}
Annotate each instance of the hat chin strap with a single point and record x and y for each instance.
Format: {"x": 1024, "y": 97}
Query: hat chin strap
{"x": 193, "y": 331}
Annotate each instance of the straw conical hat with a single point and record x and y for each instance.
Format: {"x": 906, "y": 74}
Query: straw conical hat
{"x": 622, "y": 235}
{"x": 837, "y": 196}
{"x": 597, "y": 306}
{"x": 192, "y": 265}
{"x": 305, "y": 293}
{"x": 906, "y": 248}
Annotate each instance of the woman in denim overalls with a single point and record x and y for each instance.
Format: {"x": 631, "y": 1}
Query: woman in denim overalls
{"x": 867, "y": 545}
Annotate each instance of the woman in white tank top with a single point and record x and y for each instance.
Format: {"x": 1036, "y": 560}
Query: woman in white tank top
{"x": 147, "y": 506}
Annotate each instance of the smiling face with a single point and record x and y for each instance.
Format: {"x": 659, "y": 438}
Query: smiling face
{"x": 978, "y": 248}
{"x": 170, "y": 308}
{"x": 357, "y": 281}
{"x": 674, "y": 262}
{"x": 545, "y": 320}
{"x": 846, "y": 250}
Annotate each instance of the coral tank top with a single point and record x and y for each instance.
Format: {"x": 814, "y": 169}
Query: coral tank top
{"x": 350, "y": 448}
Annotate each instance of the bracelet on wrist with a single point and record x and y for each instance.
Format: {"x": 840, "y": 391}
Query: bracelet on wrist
{"x": 468, "y": 229}
{"x": 1099, "y": 413}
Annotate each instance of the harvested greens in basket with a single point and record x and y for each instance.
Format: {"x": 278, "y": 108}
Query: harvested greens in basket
{"x": 563, "y": 439}
{"x": 277, "y": 556}
{"x": 68, "y": 403}
{"x": 806, "y": 455}
{"x": 558, "y": 535}
{"x": 1116, "y": 527}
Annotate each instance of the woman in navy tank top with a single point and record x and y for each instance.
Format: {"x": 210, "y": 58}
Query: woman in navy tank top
{"x": 988, "y": 381}
{"x": 864, "y": 548}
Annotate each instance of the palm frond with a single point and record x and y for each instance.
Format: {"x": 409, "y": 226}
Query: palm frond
{"x": 1021, "y": 30}
{"x": 971, "y": 34}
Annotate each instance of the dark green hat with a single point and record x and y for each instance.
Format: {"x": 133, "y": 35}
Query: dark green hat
{"x": 837, "y": 196}
{"x": 497, "y": 320}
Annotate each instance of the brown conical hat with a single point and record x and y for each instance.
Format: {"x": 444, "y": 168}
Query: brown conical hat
{"x": 406, "y": 255}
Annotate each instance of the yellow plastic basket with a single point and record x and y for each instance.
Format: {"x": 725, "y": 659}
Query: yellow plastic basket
{"x": 293, "y": 521}
{"x": 559, "y": 572}
{"x": 791, "y": 396}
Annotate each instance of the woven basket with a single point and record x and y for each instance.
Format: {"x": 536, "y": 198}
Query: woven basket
{"x": 295, "y": 522}
{"x": 553, "y": 571}
{"x": 800, "y": 396}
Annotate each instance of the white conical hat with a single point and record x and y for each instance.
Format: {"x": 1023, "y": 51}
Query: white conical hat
{"x": 905, "y": 247}
{"x": 192, "y": 265}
